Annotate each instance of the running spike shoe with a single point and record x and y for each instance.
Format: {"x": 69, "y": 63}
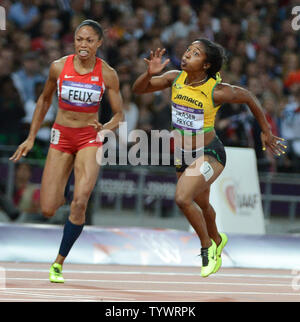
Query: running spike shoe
{"x": 209, "y": 259}
{"x": 55, "y": 274}
{"x": 224, "y": 240}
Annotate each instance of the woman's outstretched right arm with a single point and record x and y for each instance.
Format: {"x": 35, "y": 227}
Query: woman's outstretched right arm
{"x": 147, "y": 82}
{"x": 41, "y": 109}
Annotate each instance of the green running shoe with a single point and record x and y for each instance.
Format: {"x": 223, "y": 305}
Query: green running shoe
{"x": 209, "y": 259}
{"x": 224, "y": 240}
{"x": 55, "y": 274}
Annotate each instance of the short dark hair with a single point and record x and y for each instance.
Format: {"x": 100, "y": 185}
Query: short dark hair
{"x": 92, "y": 23}
{"x": 215, "y": 54}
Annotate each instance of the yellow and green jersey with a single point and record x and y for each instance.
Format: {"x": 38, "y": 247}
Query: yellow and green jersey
{"x": 193, "y": 108}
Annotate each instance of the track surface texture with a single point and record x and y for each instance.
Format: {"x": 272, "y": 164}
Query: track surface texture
{"x": 28, "y": 282}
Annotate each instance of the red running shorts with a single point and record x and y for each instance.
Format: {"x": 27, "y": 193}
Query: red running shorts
{"x": 73, "y": 139}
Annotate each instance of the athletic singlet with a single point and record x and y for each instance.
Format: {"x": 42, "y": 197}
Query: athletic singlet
{"x": 80, "y": 93}
{"x": 193, "y": 108}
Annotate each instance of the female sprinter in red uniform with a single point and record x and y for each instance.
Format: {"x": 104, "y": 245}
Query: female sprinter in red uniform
{"x": 80, "y": 80}
{"x": 197, "y": 93}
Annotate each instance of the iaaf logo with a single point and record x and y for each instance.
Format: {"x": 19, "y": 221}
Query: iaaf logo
{"x": 296, "y": 20}
{"x": 237, "y": 200}
{"x": 2, "y": 19}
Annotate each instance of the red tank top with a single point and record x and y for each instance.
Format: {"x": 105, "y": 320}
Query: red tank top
{"x": 80, "y": 93}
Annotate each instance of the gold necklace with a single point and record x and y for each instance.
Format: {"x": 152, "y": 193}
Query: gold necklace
{"x": 200, "y": 81}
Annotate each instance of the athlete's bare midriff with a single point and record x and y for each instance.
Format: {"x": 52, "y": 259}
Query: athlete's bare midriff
{"x": 208, "y": 137}
{"x": 193, "y": 142}
{"x": 75, "y": 119}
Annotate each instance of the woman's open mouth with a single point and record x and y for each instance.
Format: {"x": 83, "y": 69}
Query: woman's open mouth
{"x": 83, "y": 53}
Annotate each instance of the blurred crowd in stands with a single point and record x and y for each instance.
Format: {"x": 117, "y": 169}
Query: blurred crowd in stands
{"x": 262, "y": 55}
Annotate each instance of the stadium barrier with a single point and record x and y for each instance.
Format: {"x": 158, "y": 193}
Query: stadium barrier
{"x": 152, "y": 188}
{"x": 144, "y": 246}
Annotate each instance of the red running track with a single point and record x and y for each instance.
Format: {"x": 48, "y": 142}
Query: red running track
{"x": 115, "y": 283}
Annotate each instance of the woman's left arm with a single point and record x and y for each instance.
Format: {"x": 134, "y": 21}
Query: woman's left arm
{"x": 112, "y": 85}
{"x": 225, "y": 93}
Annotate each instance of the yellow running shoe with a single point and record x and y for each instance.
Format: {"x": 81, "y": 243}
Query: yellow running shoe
{"x": 224, "y": 240}
{"x": 209, "y": 259}
{"x": 55, "y": 274}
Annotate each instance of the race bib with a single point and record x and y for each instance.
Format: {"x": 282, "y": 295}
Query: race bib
{"x": 80, "y": 94}
{"x": 187, "y": 118}
{"x": 55, "y": 135}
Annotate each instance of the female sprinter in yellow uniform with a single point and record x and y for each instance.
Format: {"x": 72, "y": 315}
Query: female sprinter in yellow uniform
{"x": 197, "y": 94}
{"x": 80, "y": 80}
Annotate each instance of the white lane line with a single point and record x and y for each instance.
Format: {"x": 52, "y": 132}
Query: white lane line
{"x": 57, "y": 296}
{"x": 153, "y": 273}
{"x": 211, "y": 292}
{"x": 152, "y": 282}
{"x": 48, "y": 295}
{"x": 214, "y": 292}
{"x": 39, "y": 300}
{"x": 190, "y": 292}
